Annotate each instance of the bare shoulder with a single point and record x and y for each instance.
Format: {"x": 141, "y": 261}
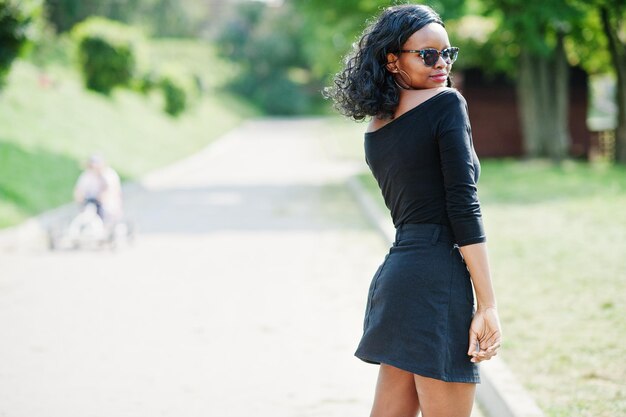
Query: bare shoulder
{"x": 376, "y": 123}
{"x": 409, "y": 100}
{"x": 414, "y": 98}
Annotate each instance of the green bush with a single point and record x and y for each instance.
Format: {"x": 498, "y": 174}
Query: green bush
{"x": 146, "y": 82}
{"x": 283, "y": 96}
{"x": 106, "y": 53}
{"x": 174, "y": 93}
{"x": 13, "y": 25}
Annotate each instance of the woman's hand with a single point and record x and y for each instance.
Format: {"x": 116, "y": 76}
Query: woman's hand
{"x": 485, "y": 336}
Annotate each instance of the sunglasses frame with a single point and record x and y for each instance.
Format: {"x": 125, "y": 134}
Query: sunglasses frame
{"x": 422, "y": 52}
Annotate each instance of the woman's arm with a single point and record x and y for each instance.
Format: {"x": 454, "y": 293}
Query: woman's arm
{"x": 463, "y": 208}
{"x": 475, "y": 257}
{"x": 485, "y": 335}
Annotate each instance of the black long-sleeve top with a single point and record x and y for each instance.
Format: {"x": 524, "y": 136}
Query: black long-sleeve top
{"x": 426, "y": 167}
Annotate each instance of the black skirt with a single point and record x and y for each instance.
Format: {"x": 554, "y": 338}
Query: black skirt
{"x": 420, "y": 307}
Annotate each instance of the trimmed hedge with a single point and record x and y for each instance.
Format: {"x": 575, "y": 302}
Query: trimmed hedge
{"x": 106, "y": 53}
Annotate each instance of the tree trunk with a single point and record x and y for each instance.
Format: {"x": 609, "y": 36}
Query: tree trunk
{"x": 618, "y": 56}
{"x": 543, "y": 109}
{"x": 542, "y": 91}
{"x": 558, "y": 144}
{"x": 620, "y": 132}
{"x": 527, "y": 98}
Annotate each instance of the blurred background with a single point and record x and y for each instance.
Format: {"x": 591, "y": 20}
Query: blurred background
{"x": 148, "y": 82}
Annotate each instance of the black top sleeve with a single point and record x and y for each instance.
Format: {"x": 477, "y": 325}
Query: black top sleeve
{"x": 460, "y": 168}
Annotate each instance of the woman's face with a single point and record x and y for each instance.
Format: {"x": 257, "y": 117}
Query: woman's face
{"x": 409, "y": 68}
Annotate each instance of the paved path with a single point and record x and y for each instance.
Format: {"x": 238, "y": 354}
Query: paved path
{"x": 243, "y": 295}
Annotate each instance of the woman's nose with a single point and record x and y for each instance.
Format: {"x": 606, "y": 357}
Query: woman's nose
{"x": 441, "y": 63}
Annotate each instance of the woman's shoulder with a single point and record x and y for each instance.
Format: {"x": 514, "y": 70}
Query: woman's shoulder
{"x": 450, "y": 102}
{"x": 434, "y": 98}
{"x": 440, "y": 101}
{"x": 451, "y": 95}
{"x": 416, "y": 97}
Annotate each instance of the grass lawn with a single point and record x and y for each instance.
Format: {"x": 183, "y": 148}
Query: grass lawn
{"x": 46, "y": 132}
{"x": 557, "y": 242}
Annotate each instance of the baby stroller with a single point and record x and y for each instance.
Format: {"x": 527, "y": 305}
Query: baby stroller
{"x": 90, "y": 229}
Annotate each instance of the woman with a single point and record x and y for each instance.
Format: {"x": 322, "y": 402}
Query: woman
{"x": 420, "y": 323}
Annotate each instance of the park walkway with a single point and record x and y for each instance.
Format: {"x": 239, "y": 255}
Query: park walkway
{"x": 243, "y": 295}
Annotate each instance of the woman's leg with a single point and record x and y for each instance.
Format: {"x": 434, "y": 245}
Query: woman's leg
{"x": 395, "y": 394}
{"x": 444, "y": 399}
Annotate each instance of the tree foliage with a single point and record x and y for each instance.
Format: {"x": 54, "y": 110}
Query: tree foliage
{"x": 64, "y": 14}
{"x": 15, "y": 19}
{"x": 586, "y": 44}
{"x": 106, "y": 53}
{"x": 613, "y": 16}
{"x": 172, "y": 18}
{"x": 266, "y": 44}
{"x": 174, "y": 94}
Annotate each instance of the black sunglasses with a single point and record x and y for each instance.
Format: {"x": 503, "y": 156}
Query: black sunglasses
{"x": 431, "y": 55}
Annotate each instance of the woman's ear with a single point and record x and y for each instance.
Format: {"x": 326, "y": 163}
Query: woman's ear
{"x": 392, "y": 60}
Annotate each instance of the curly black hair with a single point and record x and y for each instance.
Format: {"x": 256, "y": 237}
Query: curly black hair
{"x": 364, "y": 87}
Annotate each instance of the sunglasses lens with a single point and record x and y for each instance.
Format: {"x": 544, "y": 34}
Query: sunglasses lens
{"x": 450, "y": 55}
{"x": 431, "y": 56}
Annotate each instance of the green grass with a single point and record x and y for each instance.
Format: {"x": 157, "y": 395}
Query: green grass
{"x": 557, "y": 242}
{"x": 557, "y": 239}
{"x": 46, "y": 132}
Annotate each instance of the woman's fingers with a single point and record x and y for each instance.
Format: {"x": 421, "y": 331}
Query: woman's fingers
{"x": 494, "y": 347}
{"x": 483, "y": 356}
{"x": 473, "y": 344}
{"x": 484, "y": 337}
{"x": 486, "y": 351}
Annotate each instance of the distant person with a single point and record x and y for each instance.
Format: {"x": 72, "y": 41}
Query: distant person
{"x": 420, "y": 324}
{"x": 100, "y": 185}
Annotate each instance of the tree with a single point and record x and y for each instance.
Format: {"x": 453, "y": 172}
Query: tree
{"x": 160, "y": 17}
{"x": 64, "y": 14}
{"x": 168, "y": 18}
{"x": 15, "y": 18}
{"x": 613, "y": 16}
{"x": 539, "y": 29}
{"x": 266, "y": 44}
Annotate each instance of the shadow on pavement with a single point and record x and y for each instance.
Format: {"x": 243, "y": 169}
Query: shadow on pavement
{"x": 258, "y": 207}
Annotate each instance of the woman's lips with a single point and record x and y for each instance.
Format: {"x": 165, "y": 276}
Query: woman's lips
{"x": 439, "y": 77}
